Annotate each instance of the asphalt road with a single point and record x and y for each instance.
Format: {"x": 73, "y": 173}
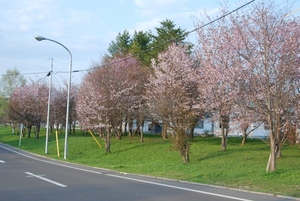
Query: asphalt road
{"x": 27, "y": 177}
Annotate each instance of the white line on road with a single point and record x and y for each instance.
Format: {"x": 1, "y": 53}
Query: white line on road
{"x": 45, "y": 179}
{"x": 1, "y": 161}
{"x": 50, "y": 162}
{"x": 180, "y": 188}
{"x": 96, "y": 172}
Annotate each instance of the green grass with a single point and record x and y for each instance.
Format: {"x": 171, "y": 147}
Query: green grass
{"x": 241, "y": 167}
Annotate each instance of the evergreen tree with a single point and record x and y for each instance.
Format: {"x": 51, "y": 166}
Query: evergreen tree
{"x": 121, "y": 45}
{"x": 167, "y": 34}
{"x": 140, "y": 45}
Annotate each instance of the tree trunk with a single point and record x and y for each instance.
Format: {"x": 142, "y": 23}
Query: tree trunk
{"x": 29, "y": 130}
{"x": 185, "y": 150}
{"x": 244, "y": 140}
{"x": 142, "y": 137}
{"x": 297, "y": 137}
{"x": 224, "y": 142}
{"x": 278, "y": 150}
{"x": 278, "y": 153}
{"x": 137, "y": 130}
{"x": 224, "y": 120}
{"x": 192, "y": 130}
{"x": 182, "y": 144}
{"x": 271, "y": 166}
{"x": 142, "y": 131}
{"x": 24, "y": 130}
{"x": 70, "y": 128}
{"x": 224, "y": 139}
{"x": 187, "y": 154}
{"x": 74, "y": 127}
{"x": 125, "y": 127}
{"x": 118, "y": 133}
{"x": 164, "y": 130}
{"x": 244, "y": 136}
{"x": 130, "y": 123}
{"x": 37, "y": 132}
{"x": 107, "y": 141}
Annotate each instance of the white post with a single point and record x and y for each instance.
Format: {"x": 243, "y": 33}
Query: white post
{"x": 21, "y": 134}
{"x": 68, "y": 110}
{"x": 48, "y": 110}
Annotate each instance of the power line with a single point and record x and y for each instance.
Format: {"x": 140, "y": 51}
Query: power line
{"x": 171, "y": 40}
{"x": 144, "y": 51}
{"x": 35, "y": 65}
{"x": 36, "y": 73}
{"x": 33, "y": 73}
{"x": 223, "y": 16}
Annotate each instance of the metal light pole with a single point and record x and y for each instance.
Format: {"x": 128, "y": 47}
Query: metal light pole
{"x": 40, "y": 38}
{"x": 48, "y": 110}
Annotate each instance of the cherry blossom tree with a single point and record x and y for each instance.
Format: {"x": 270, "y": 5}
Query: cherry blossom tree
{"x": 245, "y": 120}
{"x": 107, "y": 95}
{"x": 219, "y": 67}
{"x": 72, "y": 106}
{"x": 169, "y": 95}
{"x": 95, "y": 105}
{"x": 28, "y": 105}
{"x": 268, "y": 44}
{"x": 59, "y": 107}
{"x": 252, "y": 59}
{"x": 134, "y": 97}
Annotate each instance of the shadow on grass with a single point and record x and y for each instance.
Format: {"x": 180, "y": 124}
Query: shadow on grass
{"x": 212, "y": 150}
{"x": 127, "y": 149}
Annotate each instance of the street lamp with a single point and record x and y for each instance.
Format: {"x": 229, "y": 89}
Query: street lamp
{"x": 48, "y": 109}
{"x": 40, "y": 38}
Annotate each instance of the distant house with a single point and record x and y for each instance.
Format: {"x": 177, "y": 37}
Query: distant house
{"x": 205, "y": 126}
{"x": 260, "y": 132}
{"x": 208, "y": 126}
{"x": 150, "y": 126}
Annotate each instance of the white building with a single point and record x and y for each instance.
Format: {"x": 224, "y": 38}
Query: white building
{"x": 208, "y": 126}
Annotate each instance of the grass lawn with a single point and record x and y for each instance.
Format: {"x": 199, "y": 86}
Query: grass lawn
{"x": 241, "y": 167}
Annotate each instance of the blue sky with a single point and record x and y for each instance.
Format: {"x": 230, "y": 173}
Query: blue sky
{"x": 85, "y": 27}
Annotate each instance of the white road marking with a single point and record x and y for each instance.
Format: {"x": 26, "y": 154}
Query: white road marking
{"x": 1, "y": 161}
{"x": 50, "y": 162}
{"x": 45, "y": 179}
{"x": 180, "y": 188}
{"x": 95, "y": 172}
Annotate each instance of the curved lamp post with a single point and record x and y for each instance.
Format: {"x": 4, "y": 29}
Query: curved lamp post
{"x": 40, "y": 38}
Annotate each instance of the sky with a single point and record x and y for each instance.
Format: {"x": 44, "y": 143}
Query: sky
{"x": 86, "y": 28}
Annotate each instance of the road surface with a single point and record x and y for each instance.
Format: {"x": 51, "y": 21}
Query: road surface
{"x": 28, "y": 177}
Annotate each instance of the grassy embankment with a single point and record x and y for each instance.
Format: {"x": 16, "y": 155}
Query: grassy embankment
{"x": 240, "y": 167}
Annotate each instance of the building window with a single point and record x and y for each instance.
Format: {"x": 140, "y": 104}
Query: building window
{"x": 200, "y": 124}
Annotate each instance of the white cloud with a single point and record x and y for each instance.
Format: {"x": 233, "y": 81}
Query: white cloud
{"x": 74, "y": 16}
{"x": 156, "y": 3}
{"x": 24, "y": 15}
{"x": 147, "y": 25}
{"x": 154, "y": 7}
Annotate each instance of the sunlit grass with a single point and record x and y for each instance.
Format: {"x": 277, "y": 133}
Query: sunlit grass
{"x": 239, "y": 167}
